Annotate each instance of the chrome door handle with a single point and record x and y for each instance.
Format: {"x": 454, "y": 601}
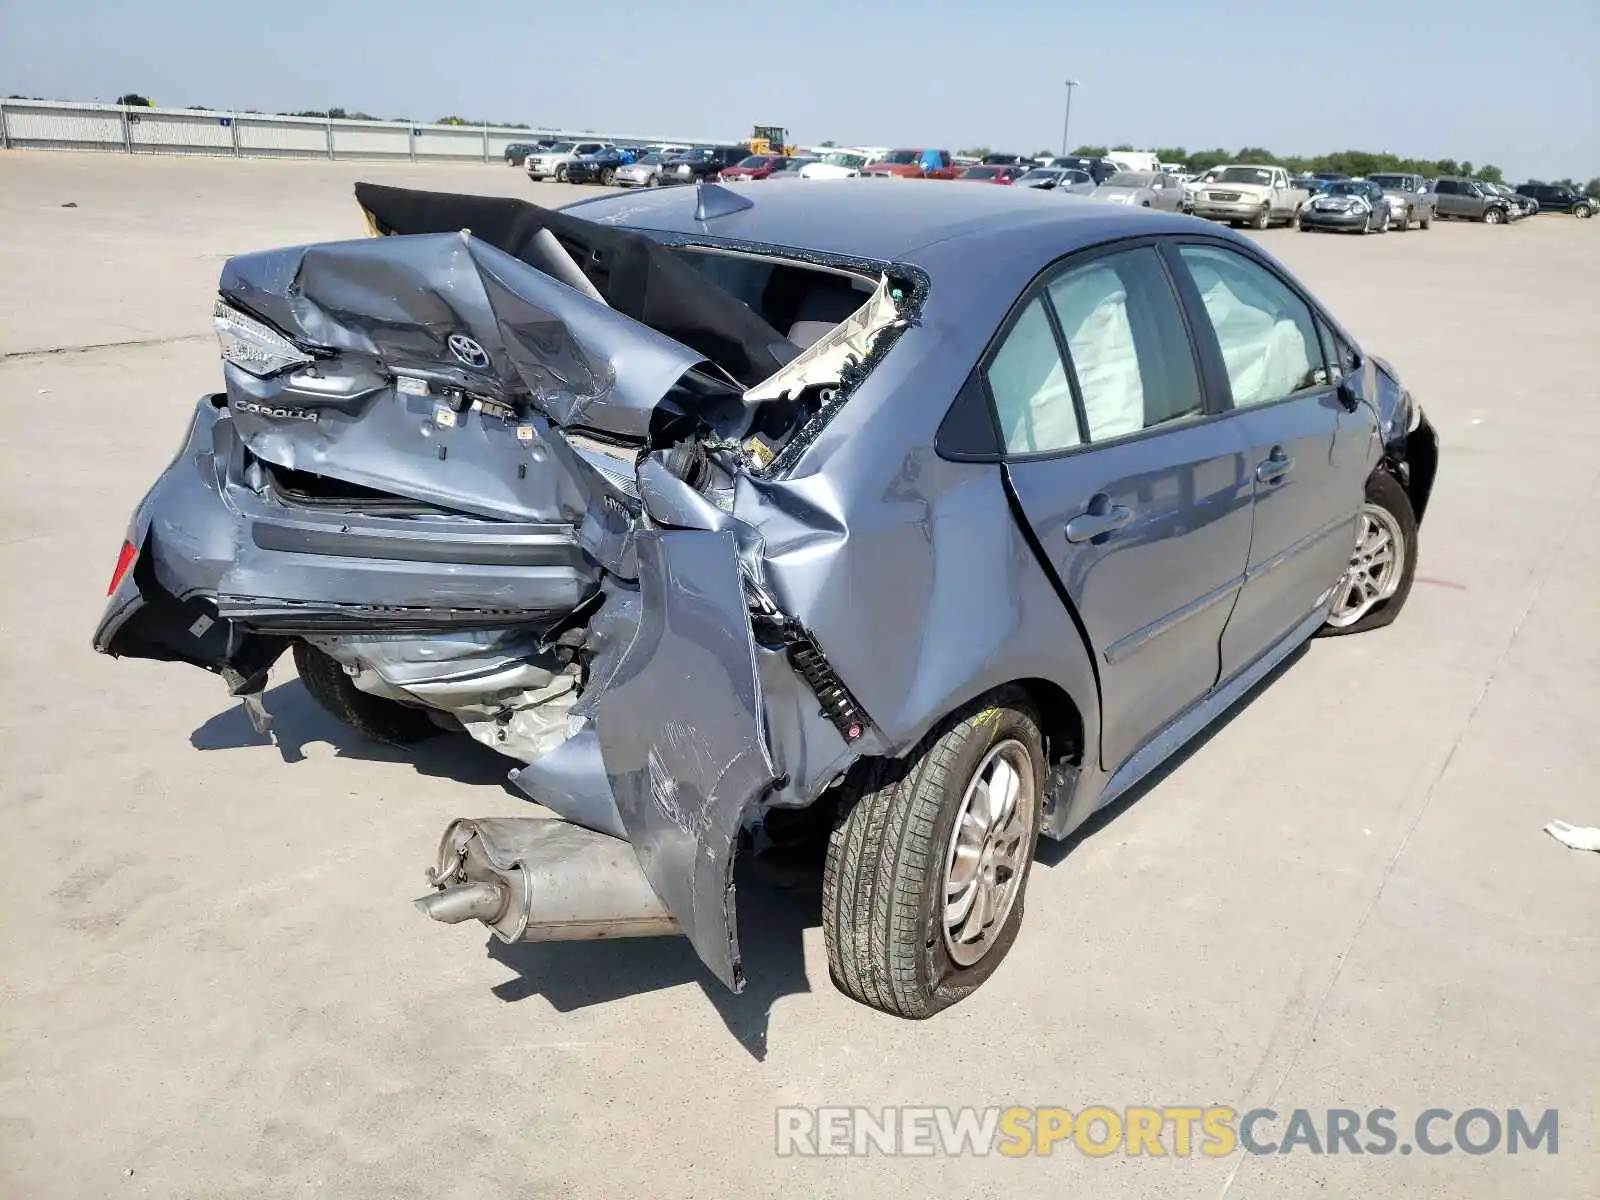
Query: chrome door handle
{"x": 1274, "y": 467}
{"x": 1086, "y": 527}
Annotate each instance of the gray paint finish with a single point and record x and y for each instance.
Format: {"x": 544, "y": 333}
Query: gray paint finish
{"x": 924, "y": 581}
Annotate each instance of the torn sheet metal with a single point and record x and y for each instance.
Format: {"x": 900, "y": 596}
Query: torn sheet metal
{"x": 451, "y": 310}
{"x": 680, "y": 728}
{"x": 638, "y": 277}
{"x": 826, "y": 360}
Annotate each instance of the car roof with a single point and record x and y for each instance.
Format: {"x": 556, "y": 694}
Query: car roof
{"x": 871, "y": 219}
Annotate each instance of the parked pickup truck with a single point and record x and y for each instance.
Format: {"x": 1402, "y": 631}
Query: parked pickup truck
{"x": 1410, "y": 201}
{"x": 1250, "y": 195}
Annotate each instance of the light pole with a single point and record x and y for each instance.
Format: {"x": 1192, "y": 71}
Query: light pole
{"x": 1066, "y": 124}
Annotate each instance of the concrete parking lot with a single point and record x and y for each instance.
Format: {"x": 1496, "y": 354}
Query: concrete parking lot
{"x": 212, "y": 982}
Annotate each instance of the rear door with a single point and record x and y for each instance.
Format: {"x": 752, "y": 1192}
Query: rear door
{"x": 1308, "y": 452}
{"x": 1137, "y": 496}
{"x": 1449, "y": 200}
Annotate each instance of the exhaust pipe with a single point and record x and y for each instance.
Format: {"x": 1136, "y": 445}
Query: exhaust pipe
{"x": 534, "y": 880}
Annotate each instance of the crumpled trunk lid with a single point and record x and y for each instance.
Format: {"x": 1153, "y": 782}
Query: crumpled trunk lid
{"x": 433, "y": 353}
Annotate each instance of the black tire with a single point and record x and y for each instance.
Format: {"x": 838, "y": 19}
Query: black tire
{"x": 1427, "y": 221}
{"x": 1582, "y": 211}
{"x": 371, "y": 716}
{"x": 1405, "y": 221}
{"x": 1494, "y": 216}
{"x": 1384, "y": 491}
{"x": 882, "y": 902}
{"x": 561, "y": 173}
{"x": 607, "y": 177}
{"x": 1263, "y": 219}
{"x": 653, "y": 181}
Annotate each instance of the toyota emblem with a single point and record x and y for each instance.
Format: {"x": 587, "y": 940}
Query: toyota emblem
{"x": 468, "y": 353}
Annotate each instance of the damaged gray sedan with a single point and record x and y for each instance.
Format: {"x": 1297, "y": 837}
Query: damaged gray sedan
{"x": 935, "y": 518}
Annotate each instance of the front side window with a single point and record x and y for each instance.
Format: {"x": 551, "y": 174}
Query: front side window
{"x": 1269, "y": 344}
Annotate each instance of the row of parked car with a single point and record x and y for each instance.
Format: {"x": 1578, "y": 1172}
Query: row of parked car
{"x": 1260, "y": 196}
{"x": 1240, "y": 193}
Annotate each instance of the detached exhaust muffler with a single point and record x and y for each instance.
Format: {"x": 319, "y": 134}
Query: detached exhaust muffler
{"x": 536, "y": 880}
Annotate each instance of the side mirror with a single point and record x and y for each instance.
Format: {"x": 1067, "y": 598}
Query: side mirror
{"x": 1347, "y": 395}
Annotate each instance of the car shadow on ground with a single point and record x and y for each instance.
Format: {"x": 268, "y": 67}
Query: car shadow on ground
{"x": 779, "y": 895}
{"x": 1053, "y": 853}
{"x": 298, "y": 721}
{"x": 778, "y": 898}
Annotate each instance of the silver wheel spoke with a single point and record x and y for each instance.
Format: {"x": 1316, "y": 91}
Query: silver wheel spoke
{"x": 1376, "y": 566}
{"x": 984, "y": 866}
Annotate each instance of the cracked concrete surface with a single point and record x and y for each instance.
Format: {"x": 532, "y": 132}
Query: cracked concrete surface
{"x": 210, "y": 975}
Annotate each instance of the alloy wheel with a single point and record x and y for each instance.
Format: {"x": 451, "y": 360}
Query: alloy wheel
{"x": 1376, "y": 567}
{"x": 993, "y": 833}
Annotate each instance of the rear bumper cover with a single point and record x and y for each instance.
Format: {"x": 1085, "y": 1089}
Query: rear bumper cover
{"x": 224, "y": 577}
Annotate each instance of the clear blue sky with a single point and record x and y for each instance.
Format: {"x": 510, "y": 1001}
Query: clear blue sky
{"x": 1509, "y": 82}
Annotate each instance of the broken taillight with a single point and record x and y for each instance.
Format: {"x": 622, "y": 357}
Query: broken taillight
{"x": 125, "y": 558}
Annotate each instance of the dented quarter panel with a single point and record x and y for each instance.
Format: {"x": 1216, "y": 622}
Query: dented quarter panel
{"x": 909, "y": 570}
{"x": 679, "y": 721}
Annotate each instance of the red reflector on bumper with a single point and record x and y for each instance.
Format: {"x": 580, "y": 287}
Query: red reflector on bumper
{"x": 125, "y": 558}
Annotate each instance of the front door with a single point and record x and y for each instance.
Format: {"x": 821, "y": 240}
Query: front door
{"x": 1138, "y": 497}
{"x": 1308, "y": 450}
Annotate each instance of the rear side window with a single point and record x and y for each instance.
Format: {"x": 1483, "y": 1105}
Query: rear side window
{"x": 1029, "y": 383}
{"x": 1447, "y": 187}
{"x": 1128, "y": 366}
{"x": 1126, "y": 340}
{"x": 1268, "y": 341}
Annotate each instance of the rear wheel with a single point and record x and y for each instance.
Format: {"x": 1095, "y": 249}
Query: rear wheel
{"x": 923, "y": 887}
{"x": 1377, "y": 583}
{"x": 371, "y": 716}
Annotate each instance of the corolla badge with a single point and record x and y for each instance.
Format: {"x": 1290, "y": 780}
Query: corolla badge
{"x": 468, "y": 353}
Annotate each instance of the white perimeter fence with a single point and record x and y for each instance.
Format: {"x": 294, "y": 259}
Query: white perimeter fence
{"x": 60, "y": 125}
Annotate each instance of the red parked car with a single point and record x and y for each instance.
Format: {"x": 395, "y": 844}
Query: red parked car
{"x": 914, "y": 164}
{"x": 992, "y": 174}
{"x": 757, "y": 166}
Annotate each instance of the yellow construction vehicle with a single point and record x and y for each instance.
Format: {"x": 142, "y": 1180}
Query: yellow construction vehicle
{"x": 770, "y": 139}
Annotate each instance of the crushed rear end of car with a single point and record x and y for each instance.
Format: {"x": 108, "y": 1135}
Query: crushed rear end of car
{"x": 507, "y": 468}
